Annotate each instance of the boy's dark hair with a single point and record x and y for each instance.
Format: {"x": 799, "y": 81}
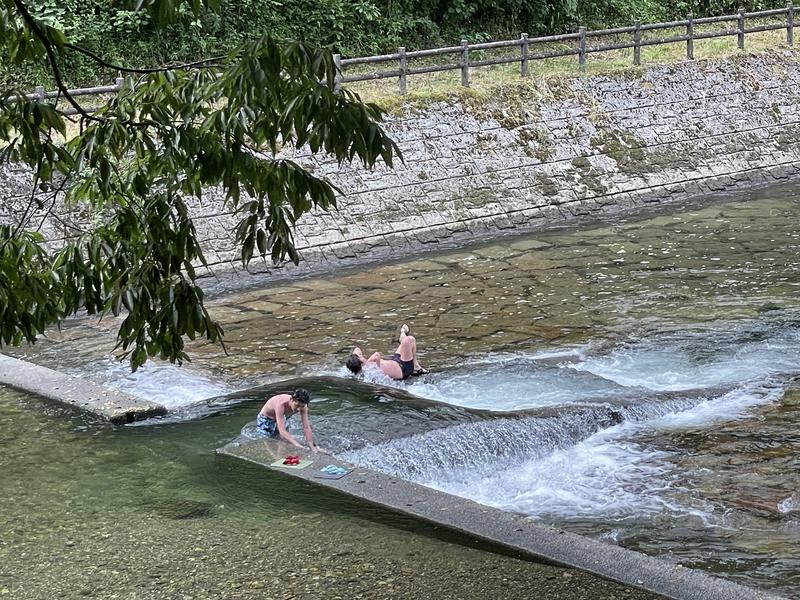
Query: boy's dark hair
{"x": 353, "y": 363}
{"x": 301, "y": 395}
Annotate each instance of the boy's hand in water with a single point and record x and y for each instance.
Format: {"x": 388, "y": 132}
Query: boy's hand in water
{"x": 320, "y": 450}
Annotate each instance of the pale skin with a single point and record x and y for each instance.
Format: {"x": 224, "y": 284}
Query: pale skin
{"x": 278, "y": 408}
{"x": 407, "y": 351}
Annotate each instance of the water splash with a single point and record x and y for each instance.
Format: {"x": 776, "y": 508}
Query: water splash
{"x": 592, "y": 462}
{"x": 468, "y": 451}
{"x": 165, "y": 383}
{"x": 726, "y": 356}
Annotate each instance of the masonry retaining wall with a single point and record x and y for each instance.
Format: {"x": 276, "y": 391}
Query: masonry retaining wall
{"x": 535, "y": 153}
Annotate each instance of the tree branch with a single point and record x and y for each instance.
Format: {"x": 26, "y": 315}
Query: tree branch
{"x": 206, "y": 62}
{"x": 54, "y": 215}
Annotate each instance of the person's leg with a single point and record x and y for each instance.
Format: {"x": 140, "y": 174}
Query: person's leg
{"x": 408, "y": 349}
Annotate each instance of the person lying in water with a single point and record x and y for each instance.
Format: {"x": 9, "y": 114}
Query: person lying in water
{"x": 271, "y": 419}
{"x": 399, "y": 366}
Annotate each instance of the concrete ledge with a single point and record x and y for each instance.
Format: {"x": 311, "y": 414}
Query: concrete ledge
{"x": 511, "y": 530}
{"x": 112, "y": 405}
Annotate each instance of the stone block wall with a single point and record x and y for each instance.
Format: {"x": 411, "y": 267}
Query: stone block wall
{"x": 538, "y": 153}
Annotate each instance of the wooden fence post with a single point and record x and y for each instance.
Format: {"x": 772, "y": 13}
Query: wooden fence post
{"x": 790, "y": 24}
{"x": 690, "y": 35}
{"x": 337, "y": 78}
{"x": 740, "y": 26}
{"x": 582, "y": 48}
{"x": 637, "y": 43}
{"x": 403, "y": 68}
{"x": 523, "y": 66}
{"x": 464, "y": 63}
{"x": 39, "y": 91}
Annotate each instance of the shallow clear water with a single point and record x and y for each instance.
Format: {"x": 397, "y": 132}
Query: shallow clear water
{"x": 149, "y": 512}
{"x": 631, "y": 381}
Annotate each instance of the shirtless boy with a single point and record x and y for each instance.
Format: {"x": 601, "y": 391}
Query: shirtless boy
{"x": 272, "y": 417}
{"x": 401, "y": 365}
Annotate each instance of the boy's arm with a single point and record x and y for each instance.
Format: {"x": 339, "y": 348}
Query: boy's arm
{"x": 280, "y": 421}
{"x": 307, "y": 428}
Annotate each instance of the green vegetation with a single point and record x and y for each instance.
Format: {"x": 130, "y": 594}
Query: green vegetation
{"x": 350, "y": 27}
{"x": 141, "y": 158}
{"x": 549, "y": 78}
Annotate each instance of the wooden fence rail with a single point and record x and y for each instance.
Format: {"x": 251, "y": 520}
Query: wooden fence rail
{"x": 581, "y": 40}
{"x": 39, "y": 95}
{"x": 527, "y": 51}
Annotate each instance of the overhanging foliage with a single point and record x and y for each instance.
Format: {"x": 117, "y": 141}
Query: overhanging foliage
{"x": 167, "y": 136}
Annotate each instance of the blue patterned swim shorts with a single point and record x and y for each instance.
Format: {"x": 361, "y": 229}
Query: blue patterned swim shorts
{"x": 266, "y": 425}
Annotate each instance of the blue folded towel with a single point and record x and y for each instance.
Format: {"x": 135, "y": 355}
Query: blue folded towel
{"x": 333, "y": 470}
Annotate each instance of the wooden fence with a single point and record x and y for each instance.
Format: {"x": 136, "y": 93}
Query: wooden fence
{"x": 581, "y": 40}
{"x": 39, "y": 95}
{"x": 527, "y": 47}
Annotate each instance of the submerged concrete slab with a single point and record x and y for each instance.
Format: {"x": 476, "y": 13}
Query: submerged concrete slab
{"x": 110, "y": 404}
{"x": 513, "y": 531}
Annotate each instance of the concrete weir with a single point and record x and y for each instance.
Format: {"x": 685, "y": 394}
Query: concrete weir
{"x": 113, "y": 405}
{"x": 510, "y": 530}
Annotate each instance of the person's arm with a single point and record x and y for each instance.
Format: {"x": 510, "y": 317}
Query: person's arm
{"x": 280, "y": 421}
{"x": 307, "y": 428}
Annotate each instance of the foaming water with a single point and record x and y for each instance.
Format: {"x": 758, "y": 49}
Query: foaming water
{"x": 464, "y": 452}
{"x": 583, "y": 465}
{"x": 600, "y": 477}
{"x": 730, "y": 406}
{"x": 615, "y": 473}
{"x": 518, "y": 381}
{"x": 701, "y": 358}
{"x": 165, "y": 383}
{"x": 594, "y": 457}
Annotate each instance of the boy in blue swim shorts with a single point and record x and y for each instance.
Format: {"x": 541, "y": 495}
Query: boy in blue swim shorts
{"x": 271, "y": 419}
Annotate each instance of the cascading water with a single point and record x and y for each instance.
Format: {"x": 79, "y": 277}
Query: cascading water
{"x": 593, "y": 457}
{"x": 170, "y": 385}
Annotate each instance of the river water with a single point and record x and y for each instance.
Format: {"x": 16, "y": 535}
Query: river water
{"x": 632, "y": 381}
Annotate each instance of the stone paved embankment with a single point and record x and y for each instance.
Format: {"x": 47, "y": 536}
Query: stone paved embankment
{"x": 533, "y": 154}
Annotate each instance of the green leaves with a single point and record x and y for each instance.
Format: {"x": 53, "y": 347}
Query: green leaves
{"x": 160, "y": 140}
{"x": 164, "y": 12}
{"x": 30, "y": 298}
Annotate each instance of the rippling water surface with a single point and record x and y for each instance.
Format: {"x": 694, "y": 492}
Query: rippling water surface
{"x": 632, "y": 381}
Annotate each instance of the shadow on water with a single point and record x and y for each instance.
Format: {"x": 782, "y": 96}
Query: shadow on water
{"x": 314, "y": 499}
{"x": 248, "y": 488}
